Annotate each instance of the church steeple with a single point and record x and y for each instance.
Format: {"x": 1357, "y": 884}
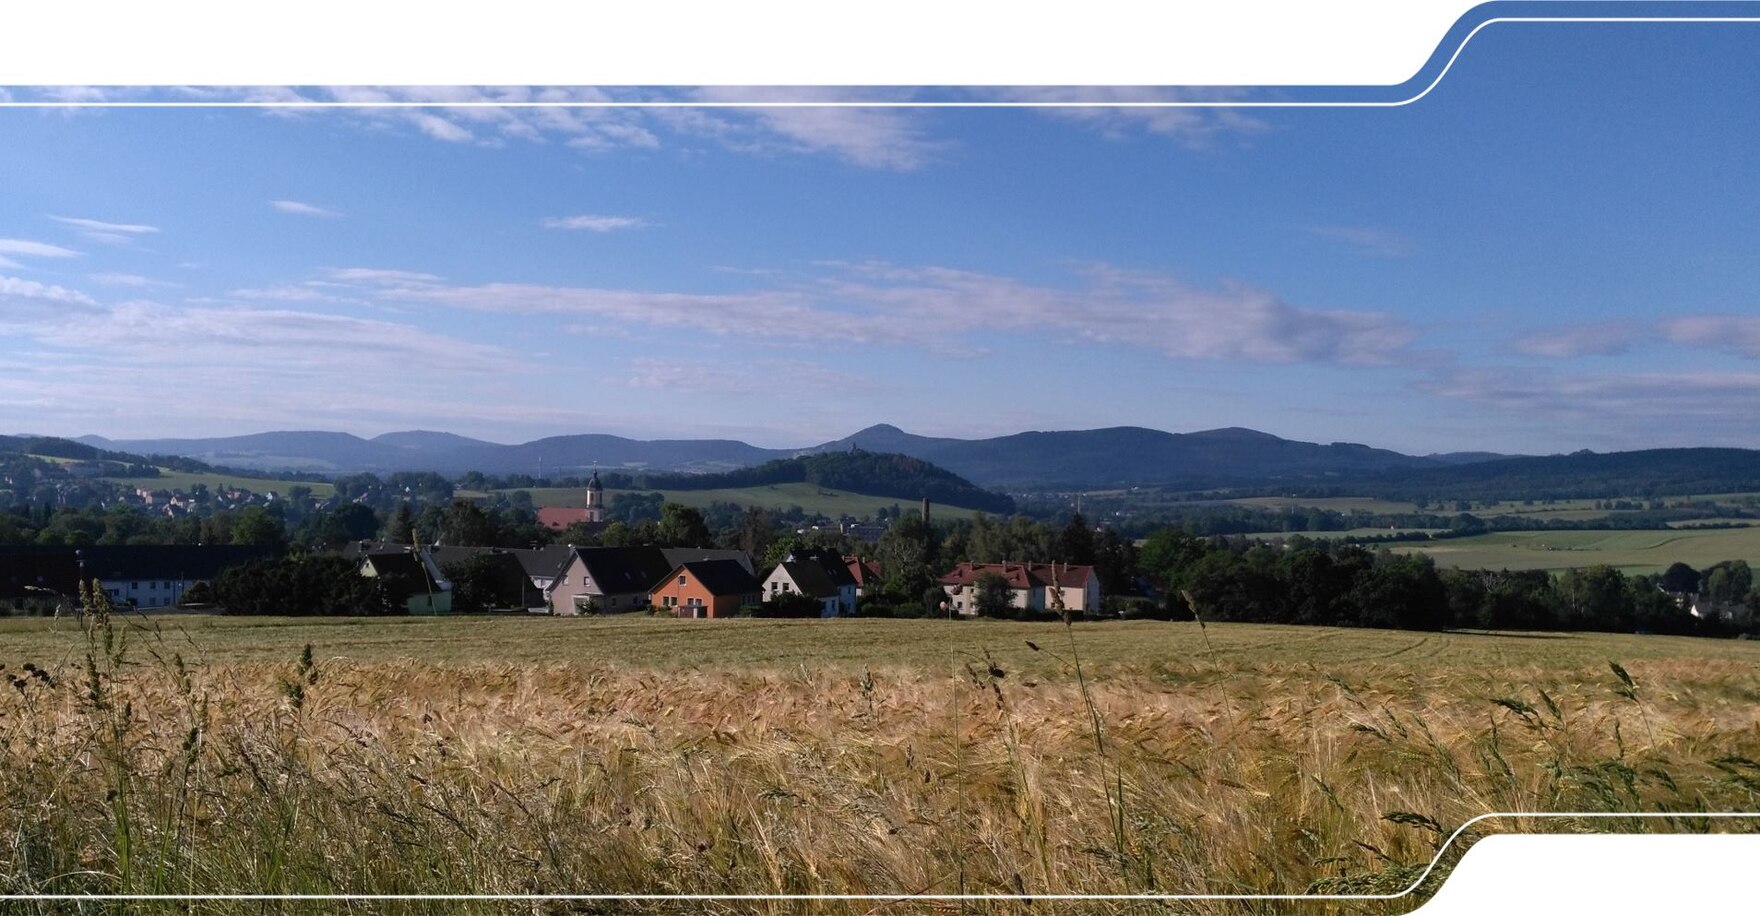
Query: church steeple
{"x": 595, "y": 499}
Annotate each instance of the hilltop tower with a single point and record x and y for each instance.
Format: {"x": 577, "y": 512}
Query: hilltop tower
{"x": 595, "y": 500}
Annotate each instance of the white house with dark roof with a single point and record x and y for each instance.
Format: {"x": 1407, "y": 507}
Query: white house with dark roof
{"x": 822, "y": 577}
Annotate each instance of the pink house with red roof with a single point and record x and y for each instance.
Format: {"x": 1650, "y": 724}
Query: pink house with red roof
{"x": 1033, "y": 586}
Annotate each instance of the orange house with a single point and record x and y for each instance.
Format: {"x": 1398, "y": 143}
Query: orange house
{"x": 706, "y": 588}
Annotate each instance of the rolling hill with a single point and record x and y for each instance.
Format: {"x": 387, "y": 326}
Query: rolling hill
{"x": 1112, "y": 458}
{"x": 865, "y": 473}
{"x": 1098, "y": 458}
{"x": 1125, "y": 456}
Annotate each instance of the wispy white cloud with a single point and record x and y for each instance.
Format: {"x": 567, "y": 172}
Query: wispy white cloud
{"x": 878, "y": 138}
{"x": 595, "y": 223}
{"x": 233, "y": 364}
{"x": 945, "y": 309}
{"x": 104, "y": 231}
{"x": 868, "y": 137}
{"x": 1621, "y": 409}
{"x": 243, "y": 336}
{"x": 379, "y": 276}
{"x": 1738, "y": 334}
{"x": 1605, "y": 339}
{"x": 743, "y": 378}
{"x": 299, "y": 208}
{"x": 14, "y": 290}
{"x": 1365, "y": 239}
{"x": 134, "y": 281}
{"x": 309, "y": 291}
{"x": 1097, "y": 107}
{"x": 28, "y": 249}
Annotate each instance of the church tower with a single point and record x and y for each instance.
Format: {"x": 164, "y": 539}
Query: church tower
{"x": 595, "y": 500}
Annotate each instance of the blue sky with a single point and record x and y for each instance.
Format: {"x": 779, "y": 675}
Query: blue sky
{"x": 1553, "y": 250}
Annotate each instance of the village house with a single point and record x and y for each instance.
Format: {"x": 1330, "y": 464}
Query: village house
{"x": 866, "y": 574}
{"x": 542, "y": 566}
{"x": 614, "y": 580}
{"x": 821, "y": 577}
{"x": 44, "y": 577}
{"x": 1052, "y": 587}
{"x": 145, "y": 577}
{"x": 508, "y": 587}
{"x": 706, "y": 589}
{"x": 414, "y": 578}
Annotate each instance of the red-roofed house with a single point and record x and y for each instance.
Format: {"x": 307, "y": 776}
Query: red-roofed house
{"x": 866, "y": 573}
{"x": 1033, "y": 586}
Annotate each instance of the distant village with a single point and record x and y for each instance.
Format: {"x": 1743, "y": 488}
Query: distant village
{"x": 556, "y": 580}
{"x": 416, "y": 543}
{"x": 799, "y": 567}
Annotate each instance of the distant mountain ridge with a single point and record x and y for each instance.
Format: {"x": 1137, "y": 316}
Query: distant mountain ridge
{"x": 1095, "y": 459}
{"x": 1122, "y": 456}
{"x": 1126, "y": 456}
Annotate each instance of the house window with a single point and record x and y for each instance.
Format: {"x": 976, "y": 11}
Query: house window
{"x": 680, "y": 580}
{"x": 133, "y": 585}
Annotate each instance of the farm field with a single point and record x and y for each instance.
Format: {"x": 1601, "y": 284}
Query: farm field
{"x": 1560, "y": 509}
{"x": 808, "y": 496}
{"x": 625, "y": 755}
{"x": 641, "y": 642}
{"x": 1631, "y": 551}
{"x": 1331, "y": 503}
{"x": 1334, "y": 535}
{"x": 173, "y": 480}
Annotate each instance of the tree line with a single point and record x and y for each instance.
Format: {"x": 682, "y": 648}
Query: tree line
{"x": 1321, "y": 583}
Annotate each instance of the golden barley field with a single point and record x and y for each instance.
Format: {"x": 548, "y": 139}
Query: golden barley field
{"x": 890, "y": 758}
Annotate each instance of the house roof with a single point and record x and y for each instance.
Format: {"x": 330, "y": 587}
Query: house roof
{"x": 622, "y": 570}
{"x": 828, "y": 562}
{"x": 809, "y": 578}
{"x": 537, "y": 562}
{"x": 678, "y": 555}
{"x": 561, "y": 516}
{"x": 863, "y": 572}
{"x": 505, "y": 563}
{"x": 186, "y": 562}
{"x": 1023, "y": 575}
{"x": 355, "y": 550}
{"x": 403, "y": 568}
{"x": 543, "y": 562}
{"x": 720, "y": 577}
{"x": 55, "y": 569}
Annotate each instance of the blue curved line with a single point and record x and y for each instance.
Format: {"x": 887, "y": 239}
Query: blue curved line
{"x": 1475, "y": 20}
